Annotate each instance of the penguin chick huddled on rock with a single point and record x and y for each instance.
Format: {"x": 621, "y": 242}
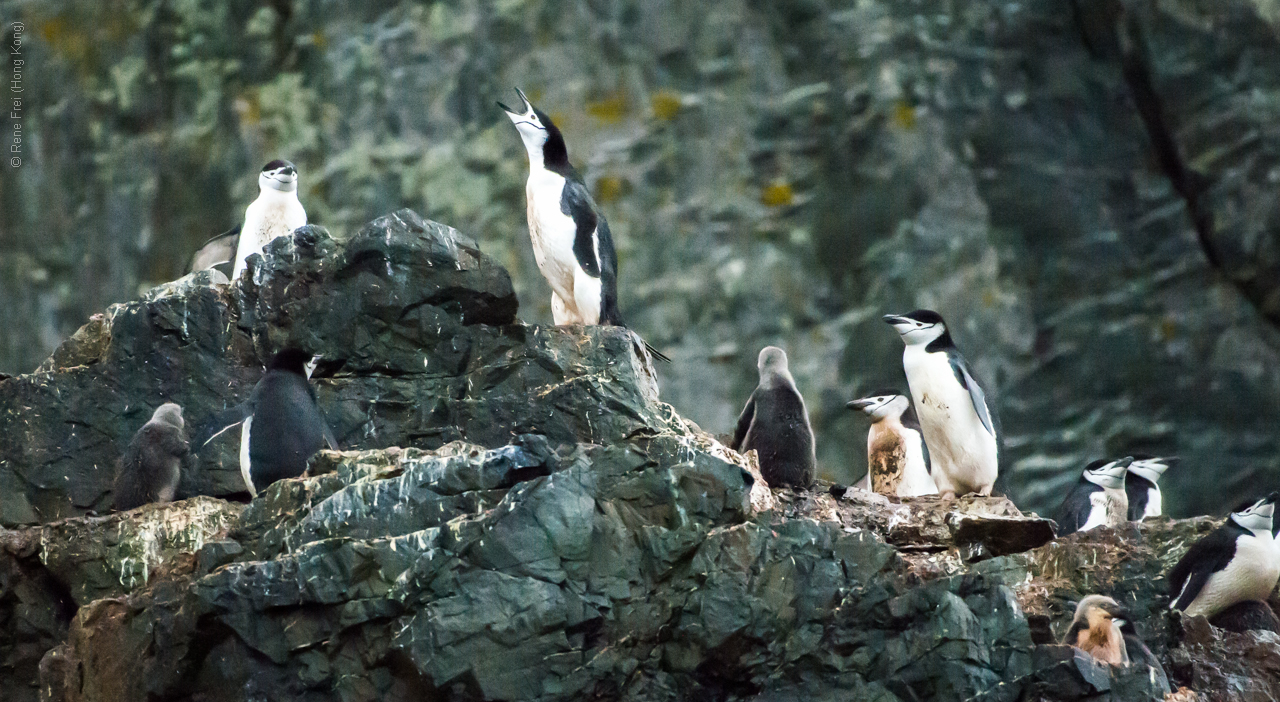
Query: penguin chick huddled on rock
{"x": 957, "y": 425}
{"x": 281, "y": 425}
{"x": 1140, "y": 484}
{"x": 571, "y": 239}
{"x": 1238, "y": 561}
{"x": 1096, "y": 630}
{"x": 1098, "y": 499}
{"x": 1104, "y": 630}
{"x": 152, "y": 464}
{"x": 897, "y": 458}
{"x": 775, "y": 423}
{"x": 276, "y": 212}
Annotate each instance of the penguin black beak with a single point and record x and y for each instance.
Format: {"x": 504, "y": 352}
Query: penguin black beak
{"x": 1124, "y": 462}
{"x": 859, "y": 405}
{"x": 893, "y": 319}
{"x": 528, "y": 107}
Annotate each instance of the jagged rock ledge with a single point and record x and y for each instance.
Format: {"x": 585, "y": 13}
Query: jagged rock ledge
{"x": 516, "y": 517}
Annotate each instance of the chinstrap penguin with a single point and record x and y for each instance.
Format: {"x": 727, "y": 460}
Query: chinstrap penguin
{"x": 276, "y": 212}
{"x": 281, "y": 425}
{"x": 571, "y": 239}
{"x": 1098, "y": 498}
{"x": 1141, "y": 485}
{"x": 897, "y": 459}
{"x": 775, "y": 423}
{"x": 1238, "y": 561}
{"x": 152, "y": 464}
{"x": 954, "y": 417}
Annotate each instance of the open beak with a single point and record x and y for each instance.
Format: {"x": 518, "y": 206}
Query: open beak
{"x": 528, "y": 107}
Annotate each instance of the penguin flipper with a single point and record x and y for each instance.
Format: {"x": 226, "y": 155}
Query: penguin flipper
{"x": 656, "y": 353}
{"x": 1073, "y": 512}
{"x": 976, "y": 394}
{"x": 219, "y": 423}
{"x": 329, "y": 438}
{"x": 744, "y": 423}
{"x": 1197, "y": 565}
{"x": 217, "y": 250}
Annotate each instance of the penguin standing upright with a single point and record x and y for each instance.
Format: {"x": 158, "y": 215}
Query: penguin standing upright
{"x": 1098, "y": 499}
{"x": 152, "y": 464}
{"x": 276, "y": 212}
{"x": 571, "y": 239}
{"x": 775, "y": 423}
{"x": 954, "y": 418}
{"x": 1140, "y": 484}
{"x": 1238, "y": 561}
{"x": 281, "y": 426}
{"x": 897, "y": 458}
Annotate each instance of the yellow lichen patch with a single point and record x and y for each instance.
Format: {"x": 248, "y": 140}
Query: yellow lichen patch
{"x": 1168, "y": 329}
{"x": 610, "y": 110}
{"x": 904, "y": 115}
{"x": 666, "y": 104}
{"x": 609, "y": 189}
{"x": 777, "y": 194}
{"x": 319, "y": 40}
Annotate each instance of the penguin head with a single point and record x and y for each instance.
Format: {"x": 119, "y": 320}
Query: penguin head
{"x": 772, "y": 360}
{"x": 1257, "y": 516}
{"x": 542, "y": 139}
{"x": 1151, "y": 467}
{"x": 169, "y": 413}
{"x": 881, "y": 404}
{"x": 1100, "y": 610}
{"x": 279, "y": 175}
{"x": 292, "y": 360}
{"x": 1108, "y": 474}
{"x": 919, "y": 327}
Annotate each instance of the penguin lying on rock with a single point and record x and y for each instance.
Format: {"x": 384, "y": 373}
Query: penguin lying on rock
{"x": 897, "y": 458}
{"x": 1098, "y": 499}
{"x": 1236, "y": 562}
{"x": 1103, "y": 629}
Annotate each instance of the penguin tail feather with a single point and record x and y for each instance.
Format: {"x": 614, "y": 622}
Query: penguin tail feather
{"x": 656, "y": 353}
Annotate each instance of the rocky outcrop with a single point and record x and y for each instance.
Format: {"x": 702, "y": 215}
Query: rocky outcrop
{"x": 515, "y": 516}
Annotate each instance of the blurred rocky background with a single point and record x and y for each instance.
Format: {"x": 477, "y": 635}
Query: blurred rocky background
{"x": 1087, "y": 190}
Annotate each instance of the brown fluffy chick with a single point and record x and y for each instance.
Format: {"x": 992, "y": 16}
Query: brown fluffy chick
{"x": 1096, "y": 630}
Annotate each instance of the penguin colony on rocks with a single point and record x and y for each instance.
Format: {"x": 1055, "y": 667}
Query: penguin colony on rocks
{"x": 942, "y": 437}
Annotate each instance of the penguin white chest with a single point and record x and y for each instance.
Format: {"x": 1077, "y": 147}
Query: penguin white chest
{"x": 1110, "y": 507}
{"x": 1154, "y": 507}
{"x": 273, "y": 214}
{"x": 1251, "y": 575}
{"x": 963, "y": 452}
{"x": 551, "y": 231}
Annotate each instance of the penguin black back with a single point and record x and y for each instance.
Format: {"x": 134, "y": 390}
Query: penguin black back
{"x": 287, "y": 425}
{"x": 151, "y": 466}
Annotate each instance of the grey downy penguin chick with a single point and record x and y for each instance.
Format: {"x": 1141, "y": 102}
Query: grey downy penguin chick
{"x": 1098, "y": 498}
{"x": 571, "y": 240}
{"x": 775, "y": 423}
{"x": 897, "y": 458}
{"x": 1238, "y": 561}
{"x": 151, "y": 467}
{"x": 954, "y": 417}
